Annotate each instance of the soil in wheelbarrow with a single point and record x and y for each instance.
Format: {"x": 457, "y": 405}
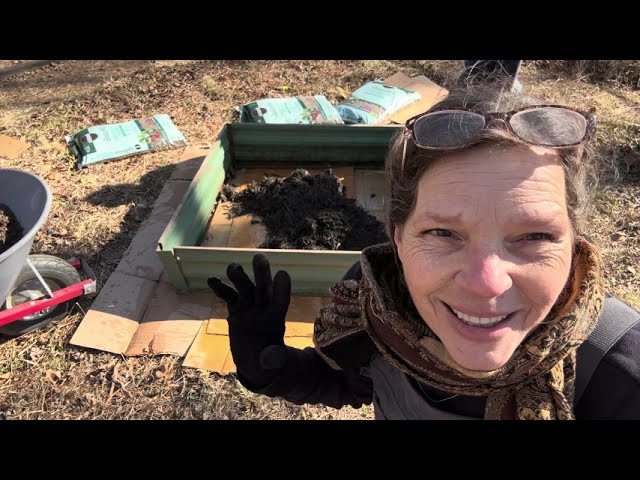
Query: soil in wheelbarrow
{"x": 10, "y": 228}
{"x": 308, "y": 212}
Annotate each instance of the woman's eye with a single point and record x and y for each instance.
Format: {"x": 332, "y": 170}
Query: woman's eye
{"x": 439, "y": 232}
{"x": 537, "y": 236}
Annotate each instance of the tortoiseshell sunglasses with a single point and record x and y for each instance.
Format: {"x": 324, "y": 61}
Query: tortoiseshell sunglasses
{"x": 451, "y": 129}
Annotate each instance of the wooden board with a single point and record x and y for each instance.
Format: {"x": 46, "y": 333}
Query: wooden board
{"x": 371, "y": 191}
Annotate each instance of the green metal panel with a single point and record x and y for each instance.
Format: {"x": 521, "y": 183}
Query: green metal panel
{"x": 223, "y": 138}
{"x": 187, "y": 225}
{"x": 312, "y": 271}
{"x": 173, "y": 271}
{"x": 309, "y": 146}
{"x": 254, "y": 146}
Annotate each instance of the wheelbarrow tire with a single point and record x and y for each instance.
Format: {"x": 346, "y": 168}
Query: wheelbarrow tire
{"x": 58, "y": 274}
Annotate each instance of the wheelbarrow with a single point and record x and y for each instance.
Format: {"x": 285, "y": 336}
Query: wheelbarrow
{"x": 34, "y": 289}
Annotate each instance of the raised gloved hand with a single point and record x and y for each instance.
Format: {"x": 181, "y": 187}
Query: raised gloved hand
{"x": 256, "y": 319}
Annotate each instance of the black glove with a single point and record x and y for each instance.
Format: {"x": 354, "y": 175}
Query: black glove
{"x": 256, "y": 320}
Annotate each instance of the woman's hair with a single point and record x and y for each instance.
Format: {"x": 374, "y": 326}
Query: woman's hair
{"x": 578, "y": 161}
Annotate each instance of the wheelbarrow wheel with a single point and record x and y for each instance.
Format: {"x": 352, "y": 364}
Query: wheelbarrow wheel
{"x": 58, "y": 274}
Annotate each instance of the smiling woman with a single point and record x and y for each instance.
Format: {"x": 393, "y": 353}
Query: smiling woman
{"x": 491, "y": 227}
{"x": 478, "y": 305}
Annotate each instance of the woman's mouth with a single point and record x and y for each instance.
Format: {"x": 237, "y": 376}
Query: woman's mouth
{"x": 482, "y": 322}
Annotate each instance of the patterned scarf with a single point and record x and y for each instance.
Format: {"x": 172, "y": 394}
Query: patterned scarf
{"x": 536, "y": 383}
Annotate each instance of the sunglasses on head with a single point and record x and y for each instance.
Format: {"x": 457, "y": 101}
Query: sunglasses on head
{"x": 549, "y": 126}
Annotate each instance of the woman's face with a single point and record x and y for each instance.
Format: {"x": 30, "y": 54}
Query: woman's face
{"x": 487, "y": 249}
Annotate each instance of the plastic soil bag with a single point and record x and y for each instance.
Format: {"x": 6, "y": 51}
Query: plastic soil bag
{"x": 110, "y": 142}
{"x": 304, "y": 109}
{"x": 375, "y": 101}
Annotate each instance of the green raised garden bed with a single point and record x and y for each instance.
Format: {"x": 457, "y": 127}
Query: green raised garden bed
{"x": 265, "y": 146}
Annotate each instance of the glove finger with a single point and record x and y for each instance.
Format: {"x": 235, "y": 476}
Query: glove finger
{"x": 242, "y": 282}
{"x": 262, "y": 274}
{"x": 281, "y": 294}
{"x": 222, "y": 290}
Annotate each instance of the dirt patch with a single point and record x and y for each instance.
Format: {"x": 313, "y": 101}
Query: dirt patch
{"x": 308, "y": 212}
{"x": 10, "y": 228}
{"x": 21, "y": 66}
{"x": 604, "y": 72}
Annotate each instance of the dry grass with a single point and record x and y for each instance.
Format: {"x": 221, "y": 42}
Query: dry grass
{"x": 97, "y": 211}
{"x": 615, "y": 223}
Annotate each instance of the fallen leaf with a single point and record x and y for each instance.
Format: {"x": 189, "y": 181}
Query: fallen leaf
{"x": 53, "y": 375}
{"x": 342, "y": 92}
{"x": 104, "y": 366}
{"x": 149, "y": 348}
{"x": 631, "y": 269}
{"x": 119, "y": 379}
{"x": 618, "y": 237}
{"x": 5, "y": 376}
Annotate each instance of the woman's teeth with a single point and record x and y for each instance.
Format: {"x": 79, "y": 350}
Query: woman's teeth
{"x": 478, "y": 321}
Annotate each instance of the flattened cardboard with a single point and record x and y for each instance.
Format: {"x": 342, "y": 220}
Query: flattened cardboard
{"x": 141, "y": 257}
{"x": 190, "y": 161}
{"x": 219, "y": 228}
{"x": 299, "y": 321}
{"x": 246, "y": 234}
{"x": 12, "y": 148}
{"x": 170, "y": 322}
{"x": 115, "y": 314}
{"x": 212, "y": 351}
{"x": 430, "y": 93}
{"x": 123, "y": 319}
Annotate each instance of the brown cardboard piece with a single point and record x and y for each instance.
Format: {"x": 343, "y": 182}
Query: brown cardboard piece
{"x": 210, "y": 350}
{"x": 12, "y": 148}
{"x": 299, "y": 321}
{"x": 246, "y": 234}
{"x": 113, "y": 318}
{"x": 430, "y": 93}
{"x": 134, "y": 313}
{"x": 141, "y": 257}
{"x": 170, "y": 322}
{"x": 139, "y": 313}
{"x": 190, "y": 161}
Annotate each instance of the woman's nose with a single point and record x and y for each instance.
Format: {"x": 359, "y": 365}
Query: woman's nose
{"x": 485, "y": 274}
